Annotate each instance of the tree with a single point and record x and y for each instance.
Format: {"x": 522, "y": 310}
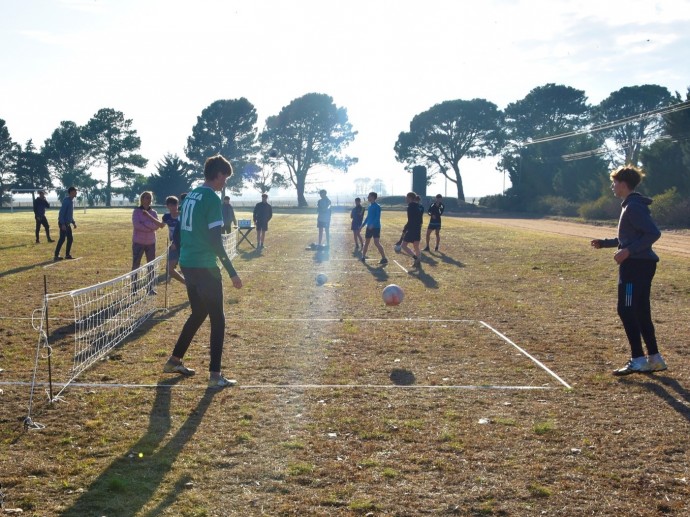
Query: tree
{"x": 667, "y": 160}
{"x": 113, "y": 143}
{"x": 448, "y": 132}
{"x": 629, "y": 103}
{"x": 267, "y": 177}
{"x": 31, "y": 171}
{"x": 67, "y": 156}
{"x": 309, "y": 132}
{"x": 8, "y": 159}
{"x": 173, "y": 177}
{"x": 226, "y": 127}
{"x": 541, "y": 161}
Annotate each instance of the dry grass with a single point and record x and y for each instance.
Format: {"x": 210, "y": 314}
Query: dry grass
{"x": 319, "y": 425}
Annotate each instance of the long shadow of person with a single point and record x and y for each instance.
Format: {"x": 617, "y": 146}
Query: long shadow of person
{"x": 680, "y": 406}
{"x": 130, "y": 481}
{"x": 21, "y": 269}
{"x": 449, "y": 260}
{"x": 424, "y": 277}
{"x": 379, "y": 273}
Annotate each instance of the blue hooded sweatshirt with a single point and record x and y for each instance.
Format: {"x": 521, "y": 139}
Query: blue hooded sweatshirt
{"x": 636, "y": 229}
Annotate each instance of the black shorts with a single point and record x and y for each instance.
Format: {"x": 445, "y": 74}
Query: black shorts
{"x": 413, "y": 235}
{"x": 434, "y": 226}
{"x": 323, "y": 224}
{"x": 372, "y": 232}
{"x": 261, "y": 225}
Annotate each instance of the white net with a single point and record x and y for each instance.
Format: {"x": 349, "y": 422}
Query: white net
{"x": 230, "y": 243}
{"x": 105, "y": 314}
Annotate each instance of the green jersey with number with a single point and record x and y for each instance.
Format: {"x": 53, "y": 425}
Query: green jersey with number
{"x": 201, "y": 211}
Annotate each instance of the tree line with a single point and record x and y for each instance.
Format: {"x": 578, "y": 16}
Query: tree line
{"x": 554, "y": 146}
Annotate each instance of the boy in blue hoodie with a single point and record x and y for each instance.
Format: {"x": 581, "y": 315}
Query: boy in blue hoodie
{"x": 637, "y": 265}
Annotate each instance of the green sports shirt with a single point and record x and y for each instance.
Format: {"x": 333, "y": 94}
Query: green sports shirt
{"x": 201, "y": 211}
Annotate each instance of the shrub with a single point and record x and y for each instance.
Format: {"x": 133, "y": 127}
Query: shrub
{"x": 555, "y": 205}
{"x": 606, "y": 207}
{"x": 671, "y": 209}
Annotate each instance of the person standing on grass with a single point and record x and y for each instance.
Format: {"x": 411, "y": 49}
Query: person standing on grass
{"x": 636, "y": 268}
{"x": 412, "y": 233}
{"x": 144, "y": 225}
{"x": 323, "y": 218}
{"x": 357, "y": 216}
{"x": 65, "y": 218}
{"x": 263, "y": 212}
{"x": 40, "y": 206}
{"x": 228, "y": 215}
{"x": 373, "y": 231}
{"x": 172, "y": 219}
{"x": 201, "y": 226}
{"x": 435, "y": 211}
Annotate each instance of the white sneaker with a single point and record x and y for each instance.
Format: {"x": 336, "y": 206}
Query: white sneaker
{"x": 221, "y": 382}
{"x": 656, "y": 363}
{"x": 180, "y": 368}
{"x": 634, "y": 365}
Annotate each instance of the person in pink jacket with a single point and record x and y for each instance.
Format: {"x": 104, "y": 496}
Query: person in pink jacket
{"x": 145, "y": 223}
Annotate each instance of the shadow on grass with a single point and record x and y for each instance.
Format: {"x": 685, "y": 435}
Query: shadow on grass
{"x": 24, "y": 268}
{"x": 424, "y": 277}
{"x": 130, "y": 481}
{"x": 378, "y": 272}
{"x": 401, "y": 377}
{"x": 664, "y": 392}
{"x": 249, "y": 255}
{"x": 449, "y": 260}
{"x": 322, "y": 255}
{"x": 14, "y": 246}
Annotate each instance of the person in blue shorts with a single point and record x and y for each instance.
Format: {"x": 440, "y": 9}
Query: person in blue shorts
{"x": 636, "y": 268}
{"x": 171, "y": 219}
{"x": 373, "y": 231}
{"x": 357, "y": 216}
{"x": 435, "y": 211}
{"x": 200, "y": 228}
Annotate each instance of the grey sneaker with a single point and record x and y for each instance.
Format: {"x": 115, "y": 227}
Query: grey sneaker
{"x": 221, "y": 382}
{"x": 171, "y": 367}
{"x": 634, "y": 365}
{"x": 656, "y": 363}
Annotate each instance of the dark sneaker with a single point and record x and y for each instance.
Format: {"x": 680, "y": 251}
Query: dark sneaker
{"x": 56, "y": 258}
{"x": 69, "y": 257}
{"x": 384, "y": 260}
{"x": 636, "y": 365}
{"x": 436, "y": 248}
{"x": 50, "y": 240}
{"x": 221, "y": 382}
{"x": 171, "y": 367}
{"x": 363, "y": 259}
{"x": 426, "y": 249}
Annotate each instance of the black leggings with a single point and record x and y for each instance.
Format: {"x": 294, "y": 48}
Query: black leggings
{"x": 64, "y": 234}
{"x": 205, "y": 292}
{"x": 634, "y": 289}
{"x": 42, "y": 221}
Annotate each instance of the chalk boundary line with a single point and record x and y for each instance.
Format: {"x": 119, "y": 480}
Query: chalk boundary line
{"x": 372, "y": 386}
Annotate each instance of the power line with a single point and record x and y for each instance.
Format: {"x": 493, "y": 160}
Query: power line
{"x": 609, "y": 125}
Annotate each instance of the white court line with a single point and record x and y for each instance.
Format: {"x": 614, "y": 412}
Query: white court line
{"x": 400, "y": 266}
{"x": 289, "y": 386}
{"x": 522, "y": 351}
{"x": 63, "y": 260}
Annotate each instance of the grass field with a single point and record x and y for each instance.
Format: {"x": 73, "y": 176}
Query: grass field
{"x": 346, "y": 406}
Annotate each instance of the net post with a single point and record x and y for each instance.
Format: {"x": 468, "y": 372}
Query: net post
{"x": 167, "y": 272}
{"x": 50, "y": 371}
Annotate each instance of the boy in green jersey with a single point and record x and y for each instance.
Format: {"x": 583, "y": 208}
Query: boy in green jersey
{"x": 201, "y": 225}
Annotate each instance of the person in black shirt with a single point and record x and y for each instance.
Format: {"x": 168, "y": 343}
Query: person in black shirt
{"x": 357, "y": 216}
{"x": 40, "y": 206}
{"x": 413, "y": 229}
{"x": 435, "y": 211}
{"x": 263, "y": 212}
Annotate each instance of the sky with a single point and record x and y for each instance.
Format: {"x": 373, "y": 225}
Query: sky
{"x": 161, "y": 62}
